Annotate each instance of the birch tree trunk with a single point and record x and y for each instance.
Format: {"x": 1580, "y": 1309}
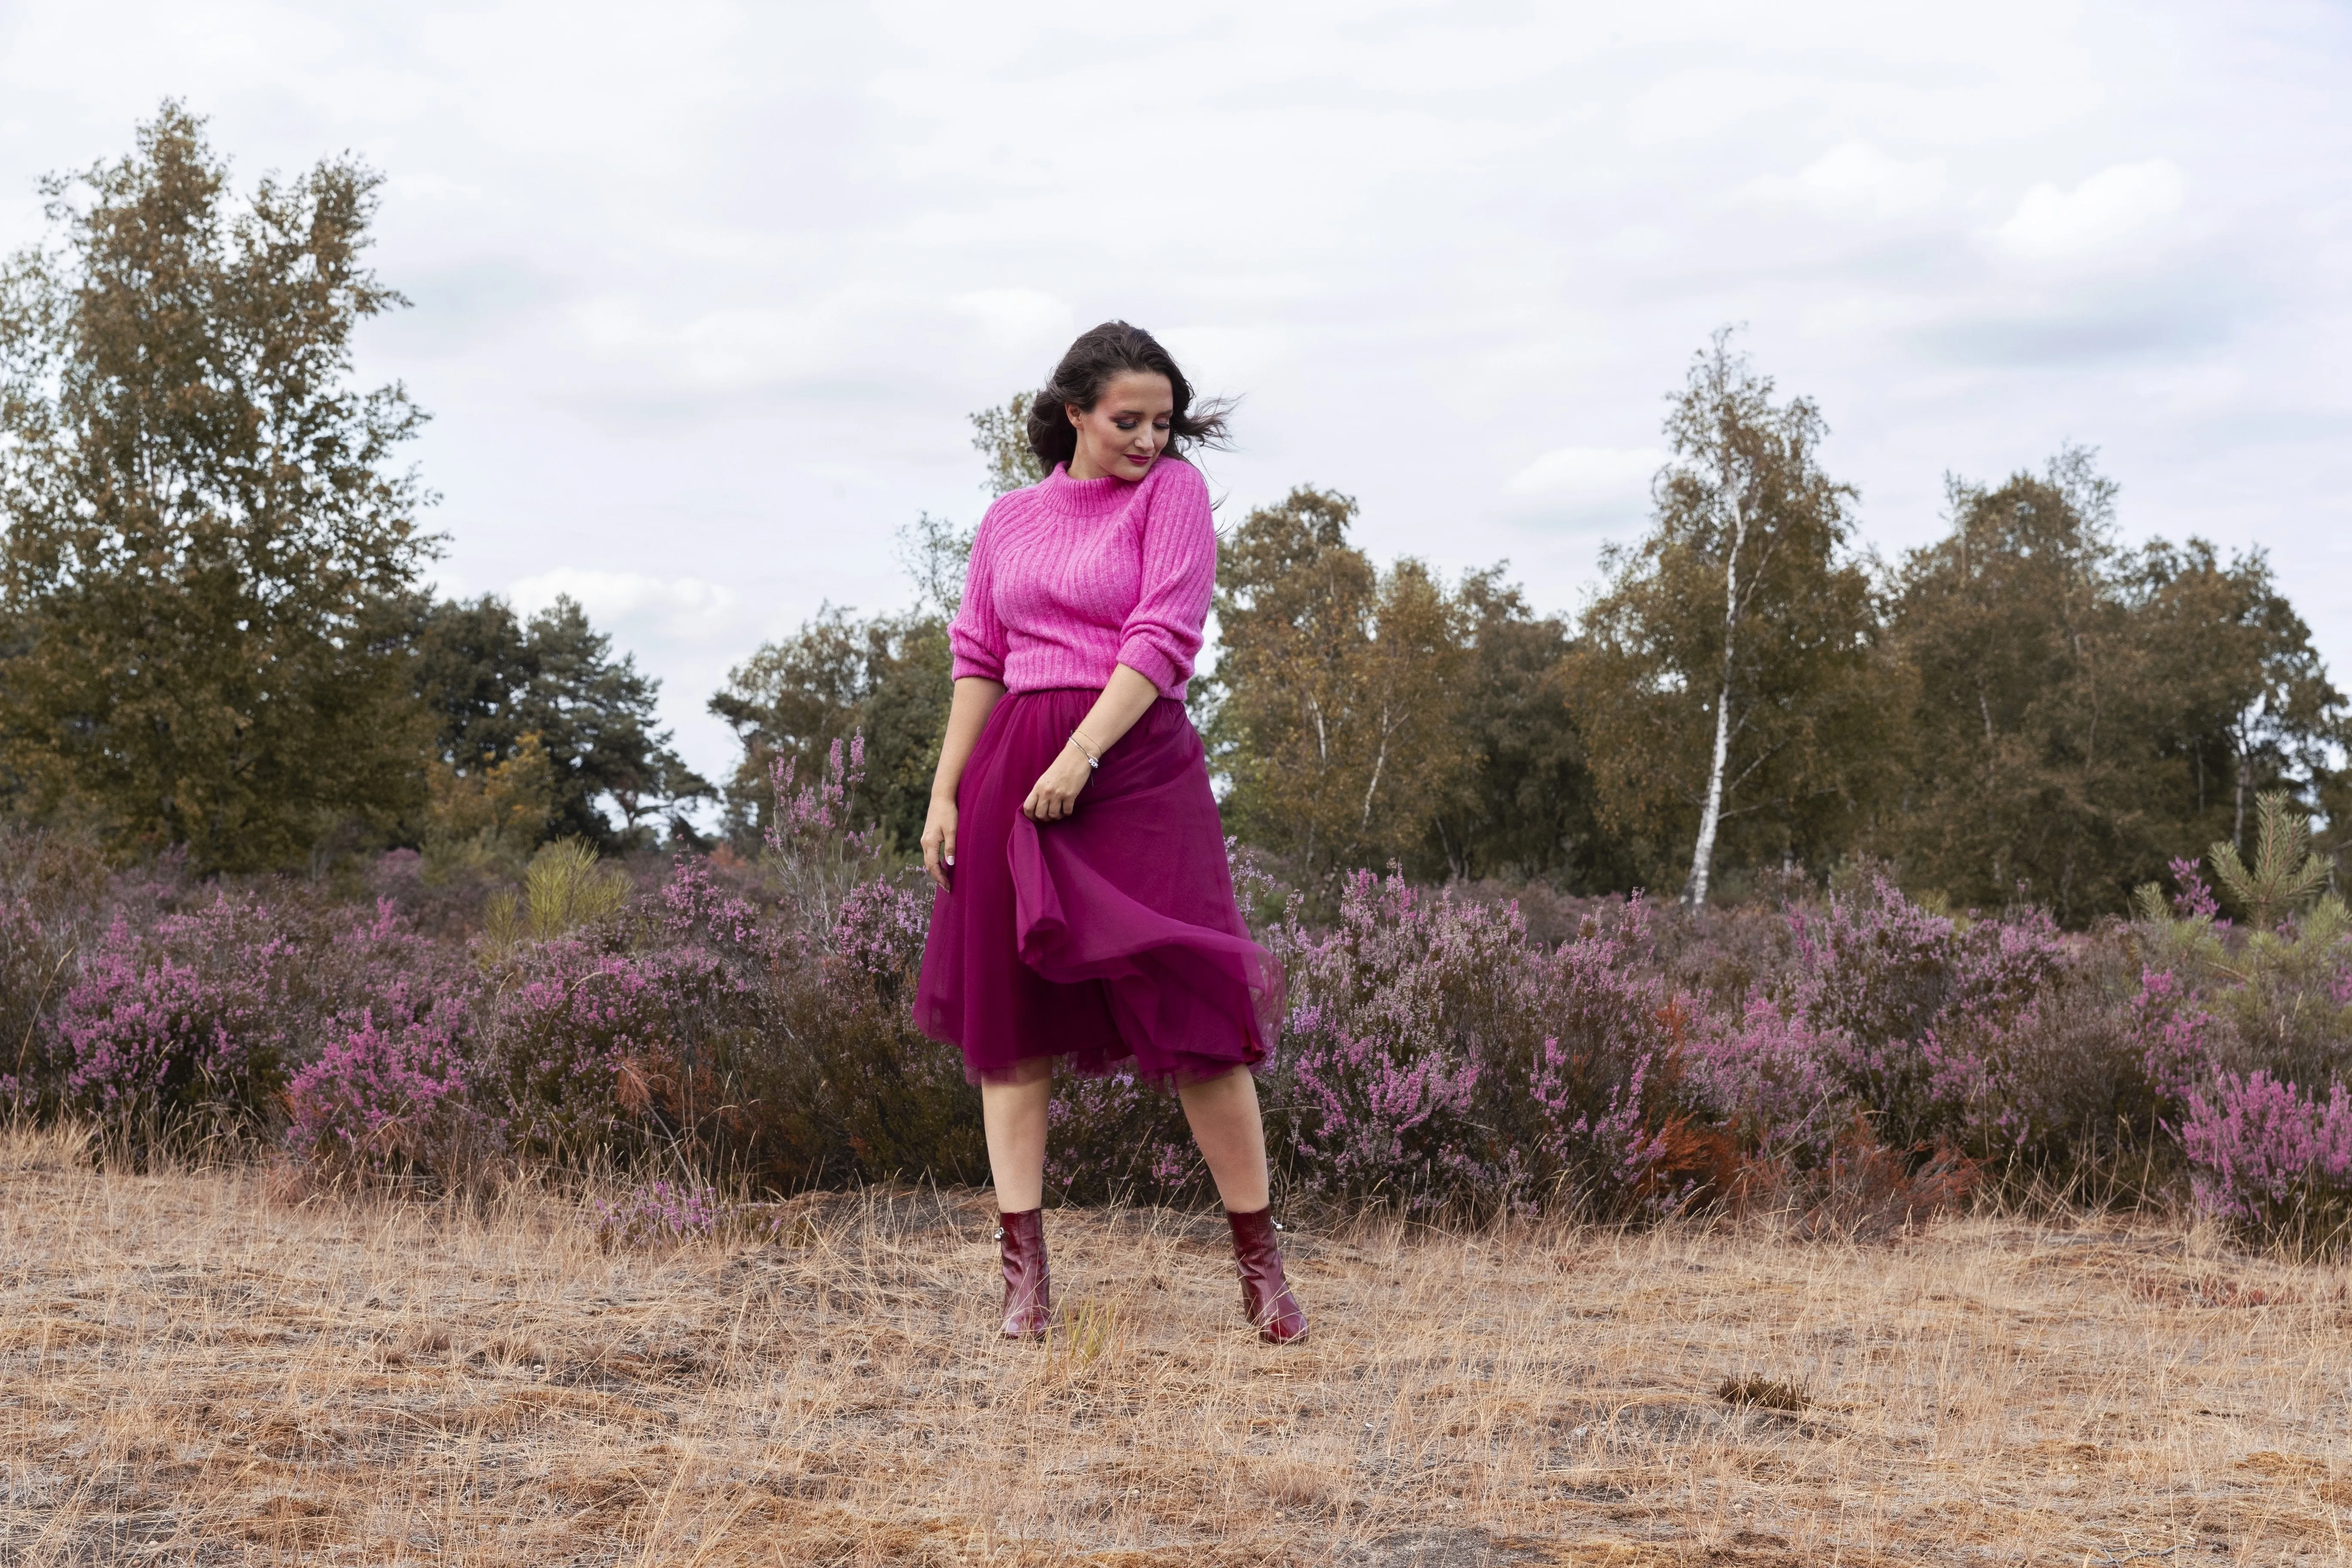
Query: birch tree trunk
{"x": 2246, "y": 779}
{"x": 1711, "y": 814}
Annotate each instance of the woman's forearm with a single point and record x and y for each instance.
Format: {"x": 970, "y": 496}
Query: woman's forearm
{"x": 968, "y": 713}
{"x": 1128, "y": 696}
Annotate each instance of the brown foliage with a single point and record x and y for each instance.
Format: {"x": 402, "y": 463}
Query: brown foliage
{"x": 1864, "y": 1191}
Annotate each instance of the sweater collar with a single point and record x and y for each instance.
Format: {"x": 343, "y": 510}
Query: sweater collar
{"x": 1088, "y": 498}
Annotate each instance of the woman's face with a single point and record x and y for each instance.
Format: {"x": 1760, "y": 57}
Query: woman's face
{"x": 1126, "y": 430}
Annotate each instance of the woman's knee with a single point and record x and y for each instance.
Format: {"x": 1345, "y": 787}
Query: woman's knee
{"x": 1023, "y": 1074}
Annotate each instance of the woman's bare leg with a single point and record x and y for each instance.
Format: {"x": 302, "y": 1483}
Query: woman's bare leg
{"x": 1225, "y": 1124}
{"x": 1013, "y": 1114}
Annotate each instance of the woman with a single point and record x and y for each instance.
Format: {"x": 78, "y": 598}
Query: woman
{"x": 1085, "y": 908}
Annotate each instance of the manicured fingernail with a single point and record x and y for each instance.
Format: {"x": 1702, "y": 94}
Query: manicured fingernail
{"x": 950, "y": 860}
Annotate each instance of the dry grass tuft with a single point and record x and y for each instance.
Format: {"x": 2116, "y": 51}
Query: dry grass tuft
{"x": 190, "y": 1372}
{"x": 1763, "y": 1392}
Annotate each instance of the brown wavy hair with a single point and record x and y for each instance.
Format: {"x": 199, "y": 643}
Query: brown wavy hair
{"x": 1100, "y": 354}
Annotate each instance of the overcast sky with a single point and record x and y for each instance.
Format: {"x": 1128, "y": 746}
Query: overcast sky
{"x": 704, "y": 292}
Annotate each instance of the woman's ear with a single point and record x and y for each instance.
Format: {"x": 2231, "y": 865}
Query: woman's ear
{"x": 1075, "y": 414}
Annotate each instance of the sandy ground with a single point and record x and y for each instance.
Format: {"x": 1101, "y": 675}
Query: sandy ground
{"x": 195, "y": 1368}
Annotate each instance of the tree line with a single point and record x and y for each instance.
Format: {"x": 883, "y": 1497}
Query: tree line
{"x": 2025, "y": 710}
{"x": 213, "y": 633}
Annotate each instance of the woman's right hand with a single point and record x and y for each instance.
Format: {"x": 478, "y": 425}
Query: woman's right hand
{"x": 938, "y": 840}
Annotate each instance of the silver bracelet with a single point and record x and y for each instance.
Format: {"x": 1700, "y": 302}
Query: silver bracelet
{"x": 1093, "y": 760}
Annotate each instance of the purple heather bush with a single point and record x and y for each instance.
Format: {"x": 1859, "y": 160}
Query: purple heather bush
{"x": 1433, "y": 1055}
{"x": 879, "y": 928}
{"x": 1766, "y": 1074}
{"x": 1114, "y": 1137}
{"x": 2193, "y": 898}
{"x": 1440, "y": 1052}
{"x": 37, "y": 954}
{"x": 2250, "y": 1035}
{"x": 211, "y": 1007}
{"x": 817, "y": 858}
{"x": 701, "y": 904}
{"x": 394, "y": 1085}
{"x": 1391, "y": 1009}
{"x": 2183, "y": 1045}
{"x": 1372, "y": 1115}
{"x": 185, "y": 1017}
{"x": 799, "y": 1062}
{"x": 590, "y": 1049}
{"x": 2060, "y": 1082}
{"x": 1586, "y": 1113}
{"x": 1912, "y": 1008}
{"x": 2271, "y": 1155}
{"x": 396, "y": 1096}
{"x": 1618, "y": 1149}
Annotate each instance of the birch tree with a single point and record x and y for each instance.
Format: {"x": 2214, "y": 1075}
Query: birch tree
{"x": 205, "y": 518}
{"x": 1334, "y": 709}
{"x": 1001, "y": 436}
{"x": 1724, "y": 677}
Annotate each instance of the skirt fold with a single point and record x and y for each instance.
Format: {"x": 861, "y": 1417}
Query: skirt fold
{"x": 1108, "y": 937}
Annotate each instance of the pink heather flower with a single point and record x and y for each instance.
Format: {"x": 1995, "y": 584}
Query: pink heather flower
{"x": 662, "y": 1213}
{"x": 2181, "y": 1038}
{"x": 2257, "y": 1142}
{"x": 145, "y": 1026}
{"x": 2194, "y": 901}
{"x": 881, "y": 927}
{"x": 392, "y": 1096}
{"x": 1770, "y": 1073}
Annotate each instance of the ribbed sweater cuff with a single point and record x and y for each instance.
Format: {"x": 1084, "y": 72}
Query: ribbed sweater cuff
{"x": 962, "y": 668}
{"x": 1146, "y": 659}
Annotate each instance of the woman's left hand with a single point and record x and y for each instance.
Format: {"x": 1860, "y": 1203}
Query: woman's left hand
{"x": 1056, "y": 794}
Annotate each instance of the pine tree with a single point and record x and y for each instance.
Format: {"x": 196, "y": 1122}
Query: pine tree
{"x": 2285, "y": 873}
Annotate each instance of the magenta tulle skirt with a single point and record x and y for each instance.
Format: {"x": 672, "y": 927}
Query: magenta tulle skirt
{"x": 1108, "y": 937}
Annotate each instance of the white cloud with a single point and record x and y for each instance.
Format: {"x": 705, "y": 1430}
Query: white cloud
{"x": 1020, "y": 318}
{"x": 1587, "y": 477}
{"x": 705, "y": 291}
{"x": 1856, "y": 182}
{"x": 2112, "y": 212}
{"x": 687, "y": 609}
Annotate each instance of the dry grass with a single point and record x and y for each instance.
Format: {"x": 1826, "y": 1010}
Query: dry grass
{"x": 192, "y": 1371}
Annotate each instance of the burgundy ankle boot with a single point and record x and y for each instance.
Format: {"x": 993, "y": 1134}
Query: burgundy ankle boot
{"x": 1266, "y": 1300}
{"x": 1028, "y": 1291}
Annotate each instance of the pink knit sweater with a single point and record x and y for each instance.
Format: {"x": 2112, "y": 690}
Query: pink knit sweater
{"x": 1071, "y": 578}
